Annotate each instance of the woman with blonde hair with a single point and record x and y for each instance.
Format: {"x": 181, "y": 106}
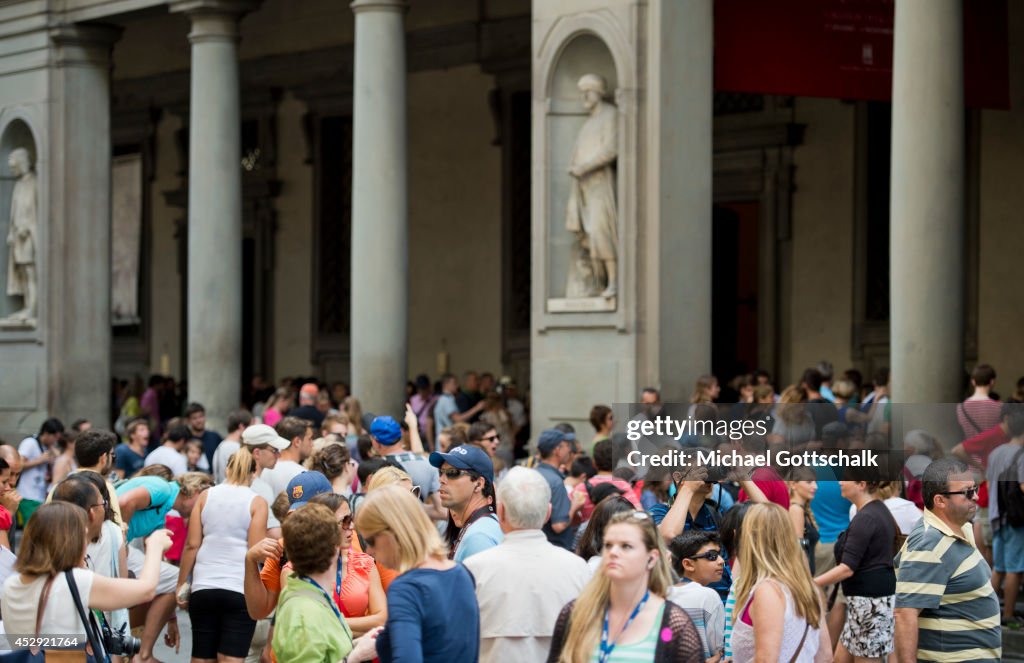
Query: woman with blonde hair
{"x": 431, "y": 592}
{"x": 779, "y": 614}
{"x": 622, "y": 613}
{"x": 705, "y": 391}
{"x": 227, "y": 520}
{"x": 353, "y": 409}
{"x": 793, "y": 423}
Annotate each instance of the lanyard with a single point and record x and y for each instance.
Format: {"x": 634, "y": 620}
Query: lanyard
{"x": 473, "y": 517}
{"x": 327, "y": 596}
{"x": 608, "y": 647}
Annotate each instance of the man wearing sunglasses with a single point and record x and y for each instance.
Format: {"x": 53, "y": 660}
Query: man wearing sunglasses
{"x": 467, "y": 490}
{"x": 946, "y": 608}
{"x": 697, "y": 558}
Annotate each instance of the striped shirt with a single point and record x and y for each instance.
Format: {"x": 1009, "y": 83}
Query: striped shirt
{"x": 941, "y": 572}
{"x": 706, "y": 612}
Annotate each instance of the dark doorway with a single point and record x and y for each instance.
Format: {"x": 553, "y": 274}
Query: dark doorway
{"x": 734, "y": 273}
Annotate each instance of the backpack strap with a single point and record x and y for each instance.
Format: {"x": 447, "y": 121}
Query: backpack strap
{"x": 974, "y": 424}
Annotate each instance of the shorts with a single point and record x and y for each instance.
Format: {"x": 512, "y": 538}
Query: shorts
{"x": 220, "y": 624}
{"x": 869, "y": 628}
{"x": 259, "y": 640}
{"x": 986, "y": 527}
{"x": 168, "y": 583}
{"x": 1008, "y": 550}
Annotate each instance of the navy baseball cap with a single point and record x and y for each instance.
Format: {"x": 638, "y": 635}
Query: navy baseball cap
{"x": 466, "y": 457}
{"x": 386, "y": 430}
{"x": 304, "y": 486}
{"x": 551, "y": 438}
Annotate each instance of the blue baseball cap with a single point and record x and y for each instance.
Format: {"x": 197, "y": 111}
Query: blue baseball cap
{"x": 304, "y": 486}
{"x": 466, "y": 457}
{"x": 386, "y": 430}
{"x": 551, "y": 438}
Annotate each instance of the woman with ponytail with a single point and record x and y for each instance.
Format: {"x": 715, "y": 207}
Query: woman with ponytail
{"x": 227, "y": 520}
{"x": 622, "y": 613}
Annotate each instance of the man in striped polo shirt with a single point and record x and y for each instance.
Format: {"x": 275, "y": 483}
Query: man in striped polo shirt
{"x": 946, "y": 609}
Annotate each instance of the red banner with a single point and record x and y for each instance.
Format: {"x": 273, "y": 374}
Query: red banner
{"x": 843, "y": 49}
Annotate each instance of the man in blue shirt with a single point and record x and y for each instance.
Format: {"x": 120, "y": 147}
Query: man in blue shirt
{"x": 555, "y": 448}
{"x": 195, "y": 414}
{"x": 467, "y": 491}
{"x": 145, "y": 502}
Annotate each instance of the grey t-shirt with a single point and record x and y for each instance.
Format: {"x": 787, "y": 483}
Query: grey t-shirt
{"x": 422, "y": 472}
{"x": 1000, "y": 459}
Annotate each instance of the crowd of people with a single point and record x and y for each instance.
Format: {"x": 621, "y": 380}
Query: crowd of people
{"x": 312, "y": 531}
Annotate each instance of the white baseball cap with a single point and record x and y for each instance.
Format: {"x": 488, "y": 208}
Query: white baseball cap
{"x": 258, "y": 435}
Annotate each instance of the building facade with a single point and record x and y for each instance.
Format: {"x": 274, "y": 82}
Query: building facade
{"x": 366, "y": 192}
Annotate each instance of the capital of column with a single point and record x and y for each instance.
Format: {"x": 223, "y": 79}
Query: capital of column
{"x": 359, "y": 6}
{"x": 84, "y": 44}
{"x": 213, "y": 20}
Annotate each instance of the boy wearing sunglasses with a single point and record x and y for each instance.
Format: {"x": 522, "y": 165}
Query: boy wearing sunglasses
{"x": 698, "y": 560}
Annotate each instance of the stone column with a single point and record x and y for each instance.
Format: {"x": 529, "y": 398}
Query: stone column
{"x": 927, "y": 202}
{"x": 681, "y": 104}
{"x": 78, "y": 298}
{"x": 379, "y": 208}
{"x": 215, "y": 208}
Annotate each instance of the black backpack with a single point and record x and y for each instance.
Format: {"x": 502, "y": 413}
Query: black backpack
{"x": 1011, "y": 499}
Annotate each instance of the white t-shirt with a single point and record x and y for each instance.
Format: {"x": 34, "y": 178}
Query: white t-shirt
{"x": 704, "y": 606}
{"x": 164, "y": 455}
{"x": 904, "y": 511}
{"x": 20, "y": 604}
{"x": 263, "y": 489}
{"x": 283, "y": 472}
{"x": 32, "y": 484}
{"x": 225, "y": 450}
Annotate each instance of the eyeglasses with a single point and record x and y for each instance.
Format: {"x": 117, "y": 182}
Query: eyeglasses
{"x": 103, "y": 504}
{"x": 273, "y": 450}
{"x": 346, "y": 522}
{"x": 970, "y": 493}
{"x": 490, "y": 438}
{"x": 453, "y": 473}
{"x": 711, "y": 555}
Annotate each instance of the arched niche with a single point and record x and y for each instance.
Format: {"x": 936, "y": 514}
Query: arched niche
{"x": 583, "y": 53}
{"x": 15, "y": 134}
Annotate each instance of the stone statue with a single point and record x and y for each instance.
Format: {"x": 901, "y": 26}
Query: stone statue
{"x": 21, "y": 239}
{"x": 591, "y": 212}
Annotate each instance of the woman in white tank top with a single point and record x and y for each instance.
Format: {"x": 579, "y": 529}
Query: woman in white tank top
{"x": 227, "y": 520}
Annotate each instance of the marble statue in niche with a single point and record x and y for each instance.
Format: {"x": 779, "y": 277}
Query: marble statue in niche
{"x": 22, "y": 279}
{"x": 591, "y": 214}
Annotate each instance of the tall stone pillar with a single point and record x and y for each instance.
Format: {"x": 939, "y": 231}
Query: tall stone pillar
{"x": 927, "y": 202}
{"x": 681, "y": 80}
{"x": 215, "y": 208}
{"x": 379, "y": 207}
{"x": 79, "y": 299}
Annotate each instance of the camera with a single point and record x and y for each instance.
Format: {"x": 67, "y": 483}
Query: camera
{"x": 119, "y": 642}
